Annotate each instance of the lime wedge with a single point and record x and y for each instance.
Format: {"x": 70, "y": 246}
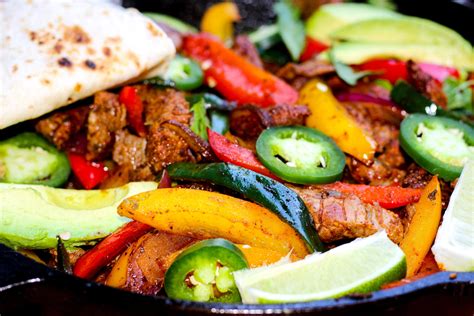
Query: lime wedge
{"x": 360, "y": 266}
{"x": 454, "y": 245}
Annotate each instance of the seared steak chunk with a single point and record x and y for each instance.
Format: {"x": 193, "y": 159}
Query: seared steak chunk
{"x": 299, "y": 74}
{"x": 129, "y": 149}
{"x": 249, "y": 121}
{"x": 165, "y": 146}
{"x": 107, "y": 116}
{"x": 340, "y": 216}
{"x": 382, "y": 124}
{"x": 164, "y": 105}
{"x": 425, "y": 84}
{"x": 245, "y": 48}
{"x": 60, "y": 127}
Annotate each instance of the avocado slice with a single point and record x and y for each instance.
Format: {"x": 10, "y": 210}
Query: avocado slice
{"x": 406, "y": 30}
{"x": 32, "y": 215}
{"x": 357, "y": 53}
{"x": 330, "y": 17}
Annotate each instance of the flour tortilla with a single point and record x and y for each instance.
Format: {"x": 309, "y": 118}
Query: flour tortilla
{"x": 54, "y": 53}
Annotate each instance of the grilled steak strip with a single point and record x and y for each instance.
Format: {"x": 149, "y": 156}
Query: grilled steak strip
{"x": 106, "y": 117}
{"x": 249, "y": 121}
{"x": 340, "y": 216}
{"x": 425, "y": 84}
{"x": 60, "y": 127}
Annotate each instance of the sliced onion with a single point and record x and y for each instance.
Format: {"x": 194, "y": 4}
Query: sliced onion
{"x": 359, "y": 97}
{"x": 199, "y": 146}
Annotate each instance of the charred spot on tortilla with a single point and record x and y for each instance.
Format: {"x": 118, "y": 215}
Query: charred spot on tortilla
{"x": 152, "y": 28}
{"x": 58, "y": 47}
{"x": 64, "y": 62}
{"x": 134, "y": 59}
{"x": 107, "y": 52}
{"x": 33, "y": 36}
{"x": 90, "y": 51}
{"x": 90, "y": 64}
{"x": 76, "y": 35}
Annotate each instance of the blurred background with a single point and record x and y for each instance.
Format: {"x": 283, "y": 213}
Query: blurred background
{"x": 456, "y": 14}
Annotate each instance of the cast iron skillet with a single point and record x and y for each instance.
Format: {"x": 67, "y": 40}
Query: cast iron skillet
{"x": 27, "y": 287}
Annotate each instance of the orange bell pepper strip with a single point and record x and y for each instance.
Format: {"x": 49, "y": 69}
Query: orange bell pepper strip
{"x": 104, "y": 252}
{"x": 423, "y": 227}
{"x": 330, "y": 117}
{"x": 234, "y": 77}
{"x": 203, "y": 215}
{"x": 218, "y": 20}
{"x": 386, "y": 196}
{"x": 257, "y": 257}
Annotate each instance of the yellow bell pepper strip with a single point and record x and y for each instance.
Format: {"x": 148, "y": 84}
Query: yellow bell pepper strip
{"x": 31, "y": 254}
{"x": 118, "y": 275}
{"x": 330, "y": 117}
{"x": 203, "y": 215}
{"x": 423, "y": 227}
{"x": 218, "y": 19}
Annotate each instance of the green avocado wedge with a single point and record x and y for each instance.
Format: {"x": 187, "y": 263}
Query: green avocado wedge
{"x": 330, "y": 17}
{"x": 406, "y": 30}
{"x": 356, "y": 53}
{"x": 31, "y": 216}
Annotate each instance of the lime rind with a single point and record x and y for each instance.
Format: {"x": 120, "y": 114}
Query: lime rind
{"x": 358, "y": 267}
{"x": 454, "y": 244}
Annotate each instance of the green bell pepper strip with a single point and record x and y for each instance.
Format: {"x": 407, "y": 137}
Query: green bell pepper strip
{"x": 300, "y": 155}
{"x": 204, "y": 270}
{"x": 258, "y": 188}
{"x": 28, "y": 158}
{"x": 185, "y": 73}
{"x": 438, "y": 144}
{"x": 413, "y": 102}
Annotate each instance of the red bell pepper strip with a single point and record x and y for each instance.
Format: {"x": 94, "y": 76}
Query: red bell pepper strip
{"x": 89, "y": 264}
{"x": 386, "y": 196}
{"x": 129, "y": 97}
{"x": 234, "y": 77}
{"x": 313, "y": 47}
{"x": 390, "y": 69}
{"x": 89, "y": 173}
{"x": 104, "y": 252}
{"x": 227, "y": 151}
{"x": 393, "y": 70}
